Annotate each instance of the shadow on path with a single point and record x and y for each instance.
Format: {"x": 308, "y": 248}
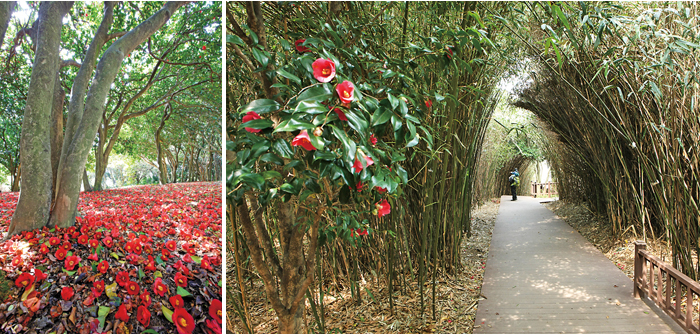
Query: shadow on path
{"x": 543, "y": 277}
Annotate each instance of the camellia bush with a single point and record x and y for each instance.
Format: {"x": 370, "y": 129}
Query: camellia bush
{"x": 324, "y": 155}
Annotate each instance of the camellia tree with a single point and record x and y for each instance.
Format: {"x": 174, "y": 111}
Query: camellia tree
{"x": 88, "y": 95}
{"x": 323, "y": 151}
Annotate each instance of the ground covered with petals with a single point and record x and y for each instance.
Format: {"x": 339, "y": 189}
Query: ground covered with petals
{"x": 144, "y": 259}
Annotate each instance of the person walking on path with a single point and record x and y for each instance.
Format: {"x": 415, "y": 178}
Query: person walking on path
{"x": 514, "y": 180}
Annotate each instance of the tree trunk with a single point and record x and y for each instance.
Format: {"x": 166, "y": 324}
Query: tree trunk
{"x": 32, "y": 209}
{"x": 86, "y": 181}
{"x": 15, "y": 176}
{"x": 6, "y": 9}
{"x": 162, "y": 168}
{"x": 75, "y": 157}
{"x": 59, "y": 96}
{"x": 101, "y": 160}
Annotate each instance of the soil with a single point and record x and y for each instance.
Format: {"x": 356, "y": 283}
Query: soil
{"x": 457, "y": 297}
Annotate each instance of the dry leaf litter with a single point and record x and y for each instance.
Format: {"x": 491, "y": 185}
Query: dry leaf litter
{"x": 457, "y": 296}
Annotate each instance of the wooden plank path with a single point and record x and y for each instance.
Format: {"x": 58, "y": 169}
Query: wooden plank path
{"x": 543, "y": 277}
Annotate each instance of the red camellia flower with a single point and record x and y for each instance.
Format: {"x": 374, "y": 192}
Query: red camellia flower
{"x": 206, "y": 264}
{"x": 159, "y": 287}
{"x": 44, "y": 249}
{"x": 93, "y": 257}
{"x": 303, "y": 140}
{"x": 98, "y": 287}
{"x": 171, "y": 245}
{"x": 137, "y": 248}
{"x": 183, "y": 321}
{"x": 129, "y": 247}
{"x": 123, "y": 278}
{"x": 53, "y": 241}
{"x": 358, "y": 165}
{"x": 40, "y": 276}
{"x": 145, "y": 299}
{"x": 24, "y": 280}
{"x": 215, "y": 310}
{"x": 249, "y": 116}
{"x": 103, "y": 266}
{"x": 180, "y": 280}
{"x": 83, "y": 239}
{"x": 300, "y": 48}
{"x": 203, "y": 48}
{"x": 345, "y": 91}
{"x": 66, "y": 245}
{"x": 449, "y": 52}
{"x": 143, "y": 315}
{"x": 373, "y": 139}
{"x": 107, "y": 241}
{"x": 121, "y": 313}
{"x": 67, "y": 293}
{"x": 213, "y": 327}
{"x": 133, "y": 288}
{"x": 93, "y": 243}
{"x": 176, "y": 301}
{"x": 17, "y": 261}
{"x": 383, "y": 208}
{"x": 359, "y": 186}
{"x": 428, "y": 103}
{"x": 341, "y": 114}
{"x": 60, "y": 253}
{"x": 324, "y": 69}
{"x": 71, "y": 261}
{"x": 359, "y": 232}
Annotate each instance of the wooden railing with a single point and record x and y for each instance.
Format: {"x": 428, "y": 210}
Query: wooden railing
{"x": 543, "y": 189}
{"x": 666, "y": 286}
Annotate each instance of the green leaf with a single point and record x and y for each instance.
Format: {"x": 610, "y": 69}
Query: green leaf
{"x": 357, "y": 121}
{"x": 350, "y": 146}
{"x": 289, "y": 76}
{"x": 381, "y": 116}
{"x": 141, "y": 274}
{"x": 70, "y": 273}
{"x": 103, "y": 311}
{"x": 261, "y": 56}
{"x": 257, "y": 124}
{"x": 149, "y": 331}
{"x": 230, "y": 38}
{"x": 114, "y": 255}
{"x": 260, "y": 106}
{"x": 311, "y": 107}
{"x": 316, "y": 93}
{"x": 293, "y": 125}
{"x": 282, "y": 148}
{"x": 317, "y": 142}
{"x": 273, "y": 158}
{"x": 254, "y": 180}
{"x": 324, "y": 155}
{"x": 413, "y": 141}
{"x": 268, "y": 175}
{"x": 182, "y": 292}
{"x": 197, "y": 259}
{"x": 157, "y": 274}
{"x": 167, "y": 313}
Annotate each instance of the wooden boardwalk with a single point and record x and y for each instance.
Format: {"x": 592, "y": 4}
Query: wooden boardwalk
{"x": 543, "y": 277}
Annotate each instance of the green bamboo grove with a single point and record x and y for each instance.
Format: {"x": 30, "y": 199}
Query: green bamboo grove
{"x": 613, "y": 91}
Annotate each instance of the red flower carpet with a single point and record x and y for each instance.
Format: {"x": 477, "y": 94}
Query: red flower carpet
{"x": 144, "y": 259}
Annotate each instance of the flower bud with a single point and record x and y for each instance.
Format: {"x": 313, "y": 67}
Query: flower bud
{"x": 318, "y": 132}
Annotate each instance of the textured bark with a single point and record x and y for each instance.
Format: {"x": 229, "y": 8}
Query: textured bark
{"x": 74, "y": 158}
{"x": 162, "y": 168}
{"x": 86, "y": 181}
{"x": 16, "y": 174}
{"x": 6, "y": 9}
{"x": 59, "y": 96}
{"x": 32, "y": 209}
